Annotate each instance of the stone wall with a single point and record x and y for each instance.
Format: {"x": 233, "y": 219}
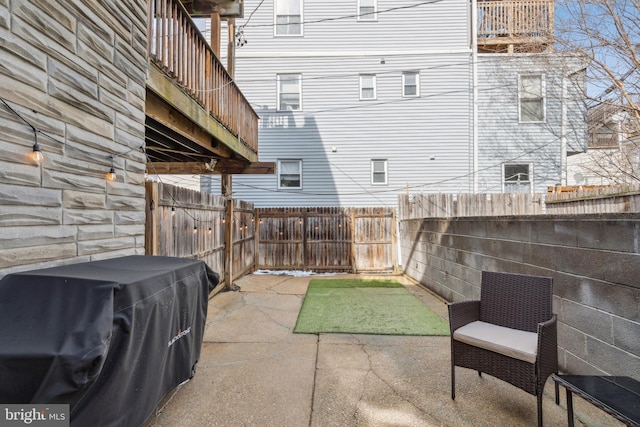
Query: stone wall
{"x": 593, "y": 260}
{"x": 74, "y": 71}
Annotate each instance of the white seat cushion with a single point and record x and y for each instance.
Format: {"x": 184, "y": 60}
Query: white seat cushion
{"x": 514, "y": 343}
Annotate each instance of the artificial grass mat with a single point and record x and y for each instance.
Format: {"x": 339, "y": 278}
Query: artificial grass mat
{"x": 356, "y": 306}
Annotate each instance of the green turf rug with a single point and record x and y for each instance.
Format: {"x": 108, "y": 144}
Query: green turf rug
{"x": 356, "y": 306}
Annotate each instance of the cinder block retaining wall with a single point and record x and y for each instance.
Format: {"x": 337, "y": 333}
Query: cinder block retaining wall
{"x": 594, "y": 261}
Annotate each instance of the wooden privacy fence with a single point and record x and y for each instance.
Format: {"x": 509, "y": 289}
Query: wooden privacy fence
{"x": 613, "y": 199}
{"x": 191, "y": 224}
{"x": 326, "y": 239}
{"x": 468, "y": 204}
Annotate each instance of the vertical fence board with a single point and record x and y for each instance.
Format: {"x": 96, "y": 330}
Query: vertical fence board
{"x": 326, "y": 239}
{"x": 191, "y": 224}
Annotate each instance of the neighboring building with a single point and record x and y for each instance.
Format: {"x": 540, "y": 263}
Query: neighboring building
{"x": 613, "y": 155}
{"x": 360, "y": 100}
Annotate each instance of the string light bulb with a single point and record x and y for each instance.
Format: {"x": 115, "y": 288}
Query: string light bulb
{"x": 195, "y": 229}
{"x": 36, "y": 155}
{"x": 111, "y": 175}
{"x": 173, "y": 210}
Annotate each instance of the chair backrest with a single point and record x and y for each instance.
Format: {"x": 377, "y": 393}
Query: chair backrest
{"x": 515, "y": 300}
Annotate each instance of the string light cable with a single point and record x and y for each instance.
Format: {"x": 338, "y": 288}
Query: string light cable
{"x": 37, "y": 156}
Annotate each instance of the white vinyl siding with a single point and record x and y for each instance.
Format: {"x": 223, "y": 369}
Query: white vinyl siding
{"x": 410, "y": 84}
{"x": 290, "y": 174}
{"x": 532, "y": 99}
{"x": 367, "y": 86}
{"x": 289, "y": 92}
{"x": 367, "y": 10}
{"x": 288, "y": 17}
{"x": 428, "y": 140}
{"x": 517, "y": 178}
{"x": 378, "y": 172}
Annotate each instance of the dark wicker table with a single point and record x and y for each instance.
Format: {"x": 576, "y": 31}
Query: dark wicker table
{"x": 618, "y": 396}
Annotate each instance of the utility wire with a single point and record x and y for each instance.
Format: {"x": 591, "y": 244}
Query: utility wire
{"x": 355, "y": 15}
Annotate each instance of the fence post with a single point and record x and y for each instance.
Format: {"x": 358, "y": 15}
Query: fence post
{"x": 151, "y": 221}
{"x": 228, "y": 229}
{"x": 353, "y": 241}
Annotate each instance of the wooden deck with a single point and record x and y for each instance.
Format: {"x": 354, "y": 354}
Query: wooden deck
{"x": 196, "y": 114}
{"x": 515, "y": 26}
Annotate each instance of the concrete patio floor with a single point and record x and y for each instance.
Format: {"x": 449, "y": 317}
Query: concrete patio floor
{"x": 254, "y": 371}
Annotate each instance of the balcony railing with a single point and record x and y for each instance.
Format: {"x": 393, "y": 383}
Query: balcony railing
{"x": 177, "y": 47}
{"x": 516, "y": 19}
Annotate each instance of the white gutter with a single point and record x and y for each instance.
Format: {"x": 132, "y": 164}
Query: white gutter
{"x": 563, "y": 134}
{"x": 474, "y": 78}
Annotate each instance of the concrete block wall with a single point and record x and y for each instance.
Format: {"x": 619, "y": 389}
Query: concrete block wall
{"x": 594, "y": 261}
{"x": 76, "y": 71}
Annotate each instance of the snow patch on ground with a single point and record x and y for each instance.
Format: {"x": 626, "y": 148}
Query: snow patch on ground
{"x": 295, "y": 273}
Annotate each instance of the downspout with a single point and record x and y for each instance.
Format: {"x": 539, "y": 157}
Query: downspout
{"x": 563, "y": 134}
{"x": 474, "y": 83}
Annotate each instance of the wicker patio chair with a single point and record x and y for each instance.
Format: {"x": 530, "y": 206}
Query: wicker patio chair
{"x": 521, "y": 303}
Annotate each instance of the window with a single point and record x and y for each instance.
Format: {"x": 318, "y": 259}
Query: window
{"x": 288, "y": 17}
{"x": 289, "y": 92}
{"x": 378, "y": 172}
{"x": 367, "y": 86}
{"x": 410, "y": 84}
{"x": 517, "y": 178}
{"x": 289, "y": 173}
{"x": 531, "y": 97}
{"x": 367, "y": 10}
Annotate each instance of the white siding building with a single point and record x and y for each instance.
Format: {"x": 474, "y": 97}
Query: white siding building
{"x": 360, "y": 100}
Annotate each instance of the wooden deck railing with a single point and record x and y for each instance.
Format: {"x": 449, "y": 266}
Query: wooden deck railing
{"x": 177, "y": 47}
{"x": 515, "y": 18}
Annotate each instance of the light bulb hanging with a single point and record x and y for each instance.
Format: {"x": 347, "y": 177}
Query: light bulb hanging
{"x": 36, "y": 155}
{"x": 111, "y": 175}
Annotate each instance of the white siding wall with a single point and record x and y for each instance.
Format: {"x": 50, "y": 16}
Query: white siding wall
{"x": 426, "y": 140}
{"x": 504, "y": 139}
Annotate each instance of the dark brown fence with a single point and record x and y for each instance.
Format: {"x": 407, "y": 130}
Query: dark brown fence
{"x": 326, "y": 239}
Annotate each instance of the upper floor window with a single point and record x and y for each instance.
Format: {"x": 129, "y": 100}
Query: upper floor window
{"x": 367, "y": 10}
{"x": 290, "y": 174}
{"x": 367, "y": 86}
{"x": 379, "y": 172}
{"x": 288, "y": 17}
{"x": 410, "y": 84}
{"x": 517, "y": 178}
{"x": 531, "y": 96}
{"x": 289, "y": 92}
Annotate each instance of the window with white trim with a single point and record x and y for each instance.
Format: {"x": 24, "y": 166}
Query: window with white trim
{"x": 367, "y": 86}
{"x": 289, "y": 92}
{"x": 367, "y": 10}
{"x": 517, "y": 177}
{"x": 410, "y": 84}
{"x": 531, "y": 96}
{"x": 288, "y": 17}
{"x": 379, "y": 172}
{"x": 290, "y": 174}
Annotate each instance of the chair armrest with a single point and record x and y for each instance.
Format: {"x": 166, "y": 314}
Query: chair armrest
{"x": 462, "y": 313}
{"x": 548, "y": 347}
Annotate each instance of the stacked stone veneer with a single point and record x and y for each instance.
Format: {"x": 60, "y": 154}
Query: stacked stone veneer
{"x": 76, "y": 70}
{"x": 594, "y": 262}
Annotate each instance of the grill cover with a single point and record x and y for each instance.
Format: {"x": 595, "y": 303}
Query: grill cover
{"x": 111, "y": 338}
